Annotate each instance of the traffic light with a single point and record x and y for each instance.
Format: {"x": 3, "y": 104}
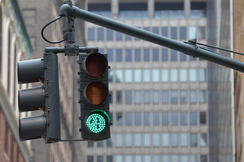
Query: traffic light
{"x": 44, "y": 98}
{"x": 94, "y": 96}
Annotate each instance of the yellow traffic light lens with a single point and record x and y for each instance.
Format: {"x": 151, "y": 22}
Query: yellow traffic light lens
{"x": 96, "y": 64}
{"x": 96, "y": 93}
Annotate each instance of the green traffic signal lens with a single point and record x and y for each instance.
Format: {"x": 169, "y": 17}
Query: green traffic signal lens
{"x": 97, "y": 121}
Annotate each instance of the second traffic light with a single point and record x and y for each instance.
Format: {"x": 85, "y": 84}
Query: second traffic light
{"x": 94, "y": 97}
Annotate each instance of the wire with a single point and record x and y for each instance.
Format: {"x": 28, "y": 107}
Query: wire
{"x": 42, "y": 32}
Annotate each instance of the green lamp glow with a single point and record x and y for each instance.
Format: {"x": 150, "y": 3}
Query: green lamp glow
{"x": 97, "y": 121}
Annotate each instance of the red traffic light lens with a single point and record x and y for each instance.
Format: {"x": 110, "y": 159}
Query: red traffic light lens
{"x": 96, "y": 93}
{"x": 96, "y": 64}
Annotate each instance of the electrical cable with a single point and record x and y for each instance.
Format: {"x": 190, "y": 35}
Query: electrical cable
{"x": 42, "y": 32}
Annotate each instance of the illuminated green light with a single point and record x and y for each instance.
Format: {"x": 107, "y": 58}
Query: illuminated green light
{"x": 96, "y": 121}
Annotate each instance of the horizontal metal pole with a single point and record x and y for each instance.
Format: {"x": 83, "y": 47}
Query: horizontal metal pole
{"x": 62, "y": 49}
{"x": 68, "y": 10}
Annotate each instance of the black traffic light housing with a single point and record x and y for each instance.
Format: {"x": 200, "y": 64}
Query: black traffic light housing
{"x": 94, "y": 96}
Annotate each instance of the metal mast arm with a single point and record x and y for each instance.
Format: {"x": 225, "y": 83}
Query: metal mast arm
{"x": 189, "y": 49}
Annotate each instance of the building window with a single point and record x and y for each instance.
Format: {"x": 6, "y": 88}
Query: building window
{"x": 137, "y": 97}
{"x": 174, "y": 139}
{"x": 146, "y": 75}
{"x": 155, "y": 97}
{"x": 91, "y": 34}
{"x": 128, "y": 118}
{"x": 182, "y": 33}
{"x": 203, "y": 158}
{"x": 202, "y": 96}
{"x": 29, "y": 16}
{"x": 109, "y": 159}
{"x": 119, "y": 140}
{"x": 155, "y": 75}
{"x": 183, "y": 96}
{"x": 165, "y": 118}
{"x": 137, "y": 140}
{"x": 138, "y": 158}
{"x": 155, "y": 118}
{"x": 173, "y": 55}
{"x": 201, "y": 75}
{"x": 137, "y": 54}
{"x": 184, "y": 158}
{"x": 100, "y": 144}
{"x": 147, "y": 158}
{"x": 183, "y": 118}
{"x": 184, "y": 139}
{"x": 146, "y": 53}
{"x": 128, "y": 55}
{"x": 165, "y": 97}
{"x": 165, "y": 158}
{"x": 119, "y": 76}
{"x": 128, "y": 139}
{"x": 155, "y": 30}
{"x": 110, "y": 54}
{"x": 128, "y": 158}
{"x": 165, "y": 31}
{"x": 146, "y": 97}
{"x": 165, "y": 75}
{"x": 90, "y": 159}
{"x": 127, "y": 37}
{"x": 192, "y": 75}
{"x": 118, "y": 97}
{"x": 147, "y": 140}
{"x": 182, "y": 57}
{"x": 175, "y": 158}
{"x": 118, "y": 36}
{"x": 119, "y": 158}
{"x": 110, "y": 34}
{"x": 156, "y": 158}
{"x": 155, "y": 54}
{"x": 128, "y": 76}
{"x": 174, "y": 96}
{"x": 183, "y": 75}
{"x": 90, "y": 144}
{"x": 165, "y": 139}
{"x": 174, "y": 118}
{"x": 119, "y": 119}
{"x": 156, "y": 140}
{"x": 146, "y": 28}
{"x": 203, "y": 139}
{"x": 203, "y": 118}
{"x": 128, "y": 97}
{"x": 192, "y": 58}
{"x": 109, "y": 141}
{"x": 137, "y": 75}
{"x": 118, "y": 55}
{"x": 174, "y": 32}
{"x": 146, "y": 118}
{"x": 174, "y": 75}
{"x": 137, "y": 118}
{"x": 100, "y": 34}
{"x": 164, "y": 54}
{"x": 192, "y": 32}
{"x": 110, "y": 76}
{"x": 194, "y": 158}
{"x": 111, "y": 97}
{"x": 193, "y": 138}
{"x": 201, "y": 33}
{"x": 193, "y": 98}
{"x": 193, "y": 118}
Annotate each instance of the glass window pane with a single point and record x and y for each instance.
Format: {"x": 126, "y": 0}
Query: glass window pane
{"x": 164, "y": 54}
{"x": 155, "y": 54}
{"x": 100, "y": 144}
{"x": 155, "y": 97}
{"x": 182, "y": 33}
{"x": 147, "y": 140}
{"x": 90, "y": 144}
{"x": 174, "y": 96}
{"x": 183, "y": 96}
{"x": 173, "y": 55}
{"x": 90, "y": 159}
{"x": 192, "y": 75}
{"x": 194, "y": 158}
{"x": 156, "y": 158}
{"x": 155, "y": 30}
{"x": 203, "y": 139}
{"x": 138, "y": 158}
{"x": 147, "y": 158}
{"x": 99, "y": 158}
{"x": 119, "y": 76}
{"x": 146, "y": 52}
{"x": 174, "y": 139}
{"x": 165, "y": 139}
{"x": 202, "y": 75}
{"x": 193, "y": 137}
{"x": 203, "y": 118}
{"x": 182, "y": 57}
{"x": 118, "y": 97}
{"x": 137, "y": 54}
{"x": 192, "y": 58}
{"x": 193, "y": 98}
{"x": 184, "y": 139}
{"x": 119, "y": 140}
{"x": 128, "y": 55}
{"x": 128, "y": 75}
{"x": 100, "y": 34}
{"x": 118, "y": 36}
{"x": 175, "y": 158}
{"x": 174, "y": 118}
{"x": 109, "y": 141}
{"x": 203, "y": 158}
{"x": 165, "y": 97}
{"x": 91, "y": 34}
{"x": 146, "y": 75}
{"x": 183, "y": 118}
{"x": 174, "y": 75}
{"x": 165, "y": 118}
{"x": 137, "y": 118}
{"x": 146, "y": 97}
{"x": 202, "y": 96}
{"x": 118, "y": 158}
{"x": 137, "y": 97}
{"x": 165, "y": 158}
{"x": 119, "y": 119}
{"x": 137, "y": 75}
{"x": 184, "y": 158}
{"x": 110, "y": 75}
{"x": 128, "y": 158}
{"x": 155, "y": 118}
{"x": 165, "y": 31}
{"x": 128, "y": 97}
{"x": 165, "y": 75}
{"x": 128, "y": 118}
{"x": 127, "y": 37}
{"x": 110, "y": 54}
{"x": 192, "y": 32}
{"x": 201, "y": 33}
{"x": 174, "y": 32}
{"x": 193, "y": 118}
{"x": 156, "y": 140}
{"x": 109, "y": 158}
{"x": 146, "y": 118}
{"x": 137, "y": 140}
{"x": 183, "y": 75}
{"x": 118, "y": 55}
{"x": 109, "y": 34}
{"x": 155, "y": 75}
{"x": 128, "y": 139}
